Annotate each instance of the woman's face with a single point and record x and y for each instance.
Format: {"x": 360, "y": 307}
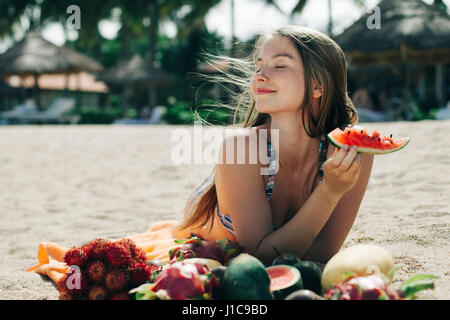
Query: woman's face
{"x": 279, "y": 83}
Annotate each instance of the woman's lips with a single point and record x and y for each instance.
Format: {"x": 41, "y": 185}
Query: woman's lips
{"x": 264, "y": 91}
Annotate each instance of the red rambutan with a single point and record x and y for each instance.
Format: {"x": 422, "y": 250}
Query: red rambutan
{"x": 98, "y": 293}
{"x": 118, "y": 254}
{"x": 96, "y": 270}
{"x": 130, "y": 244}
{"x": 140, "y": 255}
{"x": 140, "y": 273}
{"x": 116, "y": 280}
{"x": 75, "y": 257}
{"x": 74, "y": 283}
{"x": 97, "y": 248}
{"x": 120, "y": 296}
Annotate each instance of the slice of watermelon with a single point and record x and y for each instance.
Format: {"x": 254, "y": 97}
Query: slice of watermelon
{"x": 284, "y": 280}
{"x": 366, "y": 143}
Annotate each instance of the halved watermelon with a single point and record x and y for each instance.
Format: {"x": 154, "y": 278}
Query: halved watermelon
{"x": 284, "y": 280}
{"x": 365, "y": 142}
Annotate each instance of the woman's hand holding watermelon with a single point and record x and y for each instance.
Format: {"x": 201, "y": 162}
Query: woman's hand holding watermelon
{"x": 341, "y": 171}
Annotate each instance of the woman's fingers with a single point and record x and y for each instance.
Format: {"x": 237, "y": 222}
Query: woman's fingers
{"x": 338, "y": 156}
{"x": 348, "y": 159}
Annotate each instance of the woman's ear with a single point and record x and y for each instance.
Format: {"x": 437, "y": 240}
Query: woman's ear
{"x": 317, "y": 90}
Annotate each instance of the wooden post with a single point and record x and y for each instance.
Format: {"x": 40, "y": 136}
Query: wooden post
{"x": 124, "y": 100}
{"x": 439, "y": 81}
{"x": 407, "y": 80}
{"x": 36, "y": 91}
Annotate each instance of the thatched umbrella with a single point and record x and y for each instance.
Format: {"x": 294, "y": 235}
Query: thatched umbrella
{"x": 34, "y": 55}
{"x": 411, "y": 31}
{"x": 136, "y": 72}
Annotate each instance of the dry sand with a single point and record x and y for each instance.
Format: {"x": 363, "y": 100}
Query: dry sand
{"x": 70, "y": 184}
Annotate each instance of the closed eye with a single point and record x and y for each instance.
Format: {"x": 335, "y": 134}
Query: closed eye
{"x": 276, "y": 67}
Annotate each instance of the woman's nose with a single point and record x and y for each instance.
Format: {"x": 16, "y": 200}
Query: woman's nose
{"x": 260, "y": 76}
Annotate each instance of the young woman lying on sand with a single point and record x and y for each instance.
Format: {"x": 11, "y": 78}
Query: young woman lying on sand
{"x": 299, "y": 87}
{"x": 307, "y": 204}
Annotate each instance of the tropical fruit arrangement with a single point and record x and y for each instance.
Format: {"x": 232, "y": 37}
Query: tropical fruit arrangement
{"x": 222, "y": 270}
{"x": 103, "y": 269}
{"x": 366, "y": 143}
{"x": 362, "y": 272}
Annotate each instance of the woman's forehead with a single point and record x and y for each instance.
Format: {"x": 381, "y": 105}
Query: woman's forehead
{"x": 277, "y": 46}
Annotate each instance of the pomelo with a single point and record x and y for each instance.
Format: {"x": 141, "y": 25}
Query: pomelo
{"x": 360, "y": 260}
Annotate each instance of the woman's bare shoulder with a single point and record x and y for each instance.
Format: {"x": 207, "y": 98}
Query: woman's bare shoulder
{"x": 241, "y": 146}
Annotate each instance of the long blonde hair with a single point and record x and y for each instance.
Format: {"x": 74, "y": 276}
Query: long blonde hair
{"x": 323, "y": 62}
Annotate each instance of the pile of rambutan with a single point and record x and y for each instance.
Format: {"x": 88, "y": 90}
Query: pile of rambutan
{"x": 105, "y": 270}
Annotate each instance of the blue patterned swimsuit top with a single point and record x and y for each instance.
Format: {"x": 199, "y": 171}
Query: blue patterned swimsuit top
{"x": 226, "y": 219}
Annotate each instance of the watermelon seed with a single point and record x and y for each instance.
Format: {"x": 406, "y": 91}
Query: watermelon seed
{"x": 391, "y": 135}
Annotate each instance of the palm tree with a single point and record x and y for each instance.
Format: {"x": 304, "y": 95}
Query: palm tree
{"x": 298, "y": 8}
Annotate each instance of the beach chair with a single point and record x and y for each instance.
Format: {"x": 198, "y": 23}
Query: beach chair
{"x": 366, "y": 115}
{"x": 154, "y": 118}
{"x": 27, "y": 108}
{"x": 443, "y": 113}
{"x": 157, "y": 115}
{"x": 54, "y": 113}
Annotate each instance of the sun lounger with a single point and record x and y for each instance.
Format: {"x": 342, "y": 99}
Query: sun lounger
{"x": 55, "y": 113}
{"x": 366, "y": 115}
{"x": 443, "y": 113}
{"x": 27, "y": 108}
{"x": 155, "y": 118}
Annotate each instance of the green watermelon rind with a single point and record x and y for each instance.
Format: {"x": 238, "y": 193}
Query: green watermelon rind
{"x": 372, "y": 150}
{"x": 297, "y": 284}
{"x": 246, "y": 278}
{"x": 311, "y": 276}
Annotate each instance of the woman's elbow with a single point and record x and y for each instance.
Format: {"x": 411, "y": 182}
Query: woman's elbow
{"x": 323, "y": 252}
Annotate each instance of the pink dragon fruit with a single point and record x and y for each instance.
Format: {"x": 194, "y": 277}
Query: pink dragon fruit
{"x": 179, "y": 281}
{"x": 220, "y": 250}
{"x": 376, "y": 287}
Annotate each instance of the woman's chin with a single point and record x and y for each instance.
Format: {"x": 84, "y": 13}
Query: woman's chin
{"x": 265, "y": 108}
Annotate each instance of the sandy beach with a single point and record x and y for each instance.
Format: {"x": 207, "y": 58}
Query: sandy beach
{"x": 70, "y": 184}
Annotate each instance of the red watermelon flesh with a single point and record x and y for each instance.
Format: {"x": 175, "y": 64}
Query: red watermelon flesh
{"x": 284, "y": 280}
{"x": 366, "y": 143}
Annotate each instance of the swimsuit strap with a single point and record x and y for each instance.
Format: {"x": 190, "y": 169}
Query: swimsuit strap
{"x": 323, "y": 149}
{"x": 272, "y": 170}
{"x": 226, "y": 219}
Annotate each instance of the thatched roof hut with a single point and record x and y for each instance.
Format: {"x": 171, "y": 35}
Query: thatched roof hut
{"x": 410, "y": 30}
{"x": 35, "y": 55}
{"x": 133, "y": 75}
{"x": 136, "y": 71}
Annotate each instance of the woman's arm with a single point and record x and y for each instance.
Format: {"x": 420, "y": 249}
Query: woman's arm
{"x": 240, "y": 193}
{"x": 332, "y": 236}
{"x": 341, "y": 174}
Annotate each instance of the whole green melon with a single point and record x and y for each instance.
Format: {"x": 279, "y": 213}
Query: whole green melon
{"x": 246, "y": 278}
{"x": 311, "y": 275}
